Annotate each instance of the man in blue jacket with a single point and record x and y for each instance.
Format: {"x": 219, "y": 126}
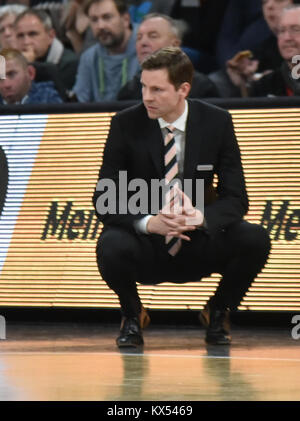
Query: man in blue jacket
{"x": 106, "y": 66}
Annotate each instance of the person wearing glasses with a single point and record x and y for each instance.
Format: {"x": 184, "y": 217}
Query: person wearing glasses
{"x": 247, "y": 67}
{"x": 285, "y": 80}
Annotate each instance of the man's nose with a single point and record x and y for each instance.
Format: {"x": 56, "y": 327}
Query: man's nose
{"x": 147, "y": 96}
{"x": 100, "y": 24}
{"x": 286, "y": 35}
{"x": 5, "y": 83}
{"x": 143, "y": 41}
{"x": 7, "y": 31}
{"x": 26, "y": 39}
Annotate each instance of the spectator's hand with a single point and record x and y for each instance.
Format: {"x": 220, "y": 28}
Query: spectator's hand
{"x": 241, "y": 68}
{"x": 29, "y": 54}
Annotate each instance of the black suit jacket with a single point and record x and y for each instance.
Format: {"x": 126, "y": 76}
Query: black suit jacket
{"x": 3, "y": 178}
{"x": 135, "y": 145}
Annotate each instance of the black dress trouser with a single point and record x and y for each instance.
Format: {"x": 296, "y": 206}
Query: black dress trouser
{"x": 238, "y": 253}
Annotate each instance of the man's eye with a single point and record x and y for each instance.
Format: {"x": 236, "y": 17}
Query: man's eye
{"x": 107, "y": 17}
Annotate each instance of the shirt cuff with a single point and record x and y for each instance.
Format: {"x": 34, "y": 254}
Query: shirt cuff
{"x": 141, "y": 225}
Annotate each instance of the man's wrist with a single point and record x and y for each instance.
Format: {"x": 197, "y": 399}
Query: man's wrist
{"x": 141, "y": 225}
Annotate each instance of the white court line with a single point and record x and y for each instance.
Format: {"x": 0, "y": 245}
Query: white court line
{"x": 120, "y": 354}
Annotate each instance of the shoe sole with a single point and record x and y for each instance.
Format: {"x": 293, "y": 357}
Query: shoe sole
{"x": 124, "y": 345}
{"x": 133, "y": 342}
{"x": 212, "y": 342}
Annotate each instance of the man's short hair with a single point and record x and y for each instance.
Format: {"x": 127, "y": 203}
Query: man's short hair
{"x": 175, "y": 61}
{"x": 42, "y": 16}
{"x": 178, "y": 27}
{"x": 121, "y": 5}
{"x": 13, "y": 54}
{"x": 12, "y": 9}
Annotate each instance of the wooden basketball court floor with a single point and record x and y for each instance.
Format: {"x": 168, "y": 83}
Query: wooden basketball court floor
{"x": 80, "y": 362}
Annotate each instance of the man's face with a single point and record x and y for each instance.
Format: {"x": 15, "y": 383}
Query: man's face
{"x": 17, "y": 82}
{"x": 272, "y": 10}
{"x": 153, "y": 34}
{"x": 289, "y": 34}
{"x": 7, "y": 32}
{"x": 32, "y": 35}
{"x": 160, "y": 97}
{"x": 107, "y": 24}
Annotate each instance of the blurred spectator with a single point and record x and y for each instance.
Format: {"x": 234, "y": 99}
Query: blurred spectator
{"x": 37, "y": 41}
{"x": 157, "y": 31}
{"x": 19, "y": 88}
{"x": 106, "y": 66}
{"x": 8, "y": 16}
{"x": 285, "y": 80}
{"x": 243, "y": 28}
{"x": 267, "y": 53}
{"x": 247, "y": 66}
{"x": 76, "y": 26}
{"x": 44, "y": 71}
{"x": 55, "y": 11}
{"x": 76, "y": 23}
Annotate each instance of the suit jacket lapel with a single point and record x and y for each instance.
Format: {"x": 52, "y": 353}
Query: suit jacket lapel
{"x": 154, "y": 143}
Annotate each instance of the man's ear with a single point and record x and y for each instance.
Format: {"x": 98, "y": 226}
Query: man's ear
{"x": 185, "y": 88}
{"x": 31, "y": 72}
{"x": 127, "y": 19}
{"x": 176, "y": 42}
{"x": 52, "y": 34}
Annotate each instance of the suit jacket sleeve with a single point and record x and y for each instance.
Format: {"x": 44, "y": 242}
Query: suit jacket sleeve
{"x": 115, "y": 160}
{"x": 231, "y": 202}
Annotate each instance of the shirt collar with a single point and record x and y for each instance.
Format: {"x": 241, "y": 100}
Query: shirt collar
{"x": 180, "y": 123}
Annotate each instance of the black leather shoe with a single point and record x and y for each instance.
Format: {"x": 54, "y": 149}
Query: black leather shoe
{"x": 217, "y": 326}
{"x": 130, "y": 333}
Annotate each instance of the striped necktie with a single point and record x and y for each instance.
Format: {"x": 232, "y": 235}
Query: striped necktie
{"x": 171, "y": 172}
